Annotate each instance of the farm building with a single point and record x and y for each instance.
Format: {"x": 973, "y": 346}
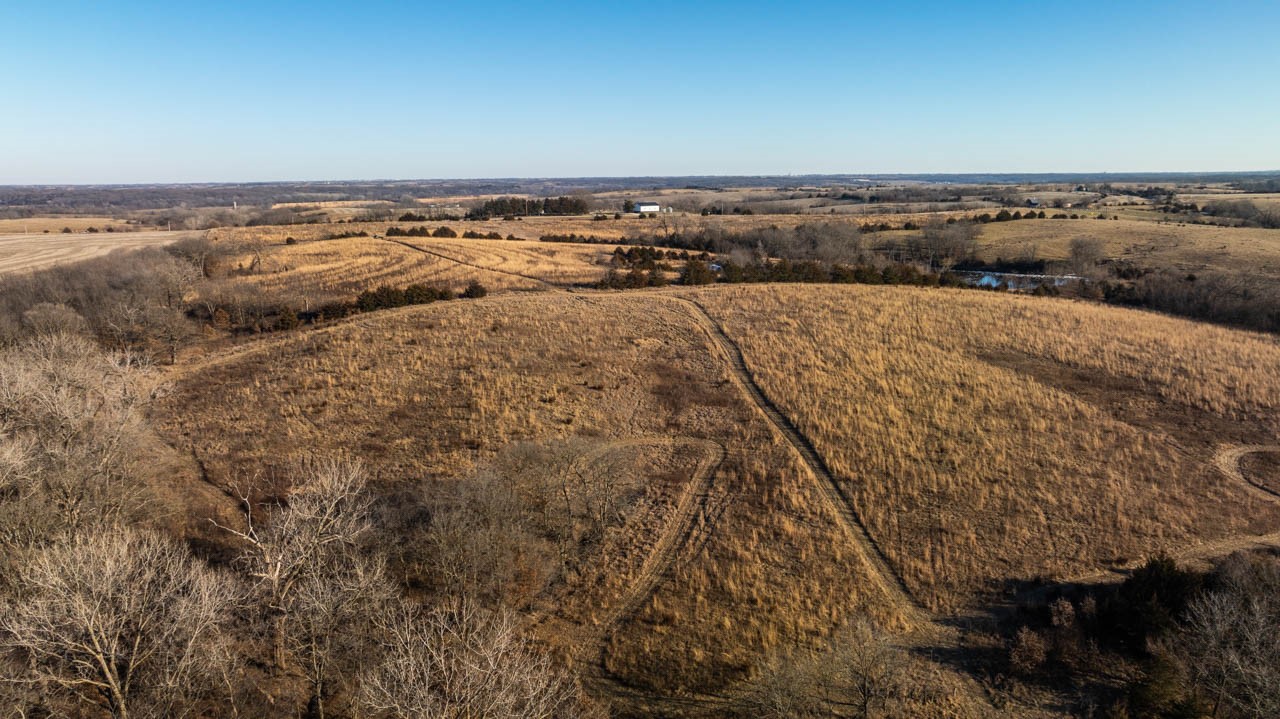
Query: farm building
{"x": 645, "y": 207}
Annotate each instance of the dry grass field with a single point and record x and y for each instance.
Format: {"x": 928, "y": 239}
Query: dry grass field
{"x": 880, "y": 452}
{"x": 1185, "y": 248}
{"x": 316, "y": 271}
{"x": 20, "y": 253}
{"x": 40, "y": 225}
{"x": 432, "y": 394}
{"x": 1138, "y": 237}
{"x": 988, "y": 438}
{"x": 1265, "y": 199}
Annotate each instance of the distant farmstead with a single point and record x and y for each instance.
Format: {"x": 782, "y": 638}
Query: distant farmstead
{"x": 645, "y": 207}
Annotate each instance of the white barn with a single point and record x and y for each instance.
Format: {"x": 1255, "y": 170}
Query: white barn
{"x": 646, "y": 207}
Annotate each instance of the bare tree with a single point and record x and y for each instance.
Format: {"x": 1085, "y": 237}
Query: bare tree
{"x": 943, "y": 244}
{"x": 1085, "y": 253}
{"x": 839, "y": 242}
{"x": 326, "y": 516}
{"x": 329, "y": 631}
{"x": 859, "y": 676}
{"x": 460, "y": 661}
{"x": 481, "y": 541}
{"x": 1231, "y": 644}
{"x": 49, "y": 318}
{"x": 786, "y": 689}
{"x": 71, "y": 435}
{"x": 120, "y": 621}
{"x": 864, "y": 672}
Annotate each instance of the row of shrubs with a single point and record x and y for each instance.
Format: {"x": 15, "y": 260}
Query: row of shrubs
{"x": 700, "y": 271}
{"x": 386, "y": 297}
{"x": 423, "y": 217}
{"x": 580, "y": 239}
{"x": 647, "y": 258}
{"x": 818, "y": 272}
{"x": 637, "y": 278}
{"x": 422, "y": 231}
{"x": 331, "y": 236}
{"x": 442, "y": 231}
{"x": 515, "y": 206}
{"x": 274, "y": 318}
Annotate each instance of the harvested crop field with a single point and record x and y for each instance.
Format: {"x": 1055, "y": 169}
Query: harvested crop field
{"x": 21, "y": 253}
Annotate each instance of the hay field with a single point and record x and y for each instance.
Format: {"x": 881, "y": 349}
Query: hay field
{"x": 21, "y": 253}
{"x": 988, "y": 438}
{"x": 1186, "y": 248}
{"x": 77, "y": 223}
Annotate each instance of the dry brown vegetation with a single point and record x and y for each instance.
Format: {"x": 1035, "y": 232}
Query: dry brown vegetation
{"x": 768, "y": 499}
{"x": 1184, "y": 248}
{"x": 21, "y": 253}
{"x": 430, "y": 394}
{"x": 315, "y": 271}
{"x": 991, "y": 438}
{"x": 980, "y": 438}
{"x": 55, "y": 224}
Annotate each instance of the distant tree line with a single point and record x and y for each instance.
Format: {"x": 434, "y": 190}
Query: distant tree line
{"x": 1212, "y": 297}
{"x": 700, "y": 272}
{"x": 422, "y": 231}
{"x": 1271, "y": 184}
{"x": 579, "y": 239}
{"x": 518, "y": 206}
{"x": 1250, "y": 214}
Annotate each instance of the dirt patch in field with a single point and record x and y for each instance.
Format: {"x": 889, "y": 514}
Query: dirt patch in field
{"x": 1263, "y": 469}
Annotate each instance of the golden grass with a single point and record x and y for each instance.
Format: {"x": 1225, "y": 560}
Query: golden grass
{"x": 427, "y": 394}
{"x": 982, "y": 438}
{"x": 987, "y": 438}
{"x": 21, "y": 253}
{"x": 316, "y": 271}
{"x": 1263, "y": 199}
{"x": 1187, "y": 248}
{"x": 37, "y": 225}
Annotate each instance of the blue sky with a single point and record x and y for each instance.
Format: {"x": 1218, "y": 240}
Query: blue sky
{"x": 241, "y": 91}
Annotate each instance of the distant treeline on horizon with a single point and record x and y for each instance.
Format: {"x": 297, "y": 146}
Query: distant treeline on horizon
{"x": 120, "y": 197}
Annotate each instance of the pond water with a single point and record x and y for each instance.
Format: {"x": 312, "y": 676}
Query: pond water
{"x": 1015, "y": 281}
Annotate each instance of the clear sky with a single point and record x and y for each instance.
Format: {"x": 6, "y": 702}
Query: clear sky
{"x": 180, "y": 91}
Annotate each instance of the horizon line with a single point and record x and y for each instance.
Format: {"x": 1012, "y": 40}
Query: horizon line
{"x": 766, "y": 175}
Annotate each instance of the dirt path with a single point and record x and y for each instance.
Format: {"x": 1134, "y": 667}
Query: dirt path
{"x": 882, "y": 571}
{"x": 675, "y": 542}
{"x": 690, "y": 506}
{"x": 1227, "y": 461}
